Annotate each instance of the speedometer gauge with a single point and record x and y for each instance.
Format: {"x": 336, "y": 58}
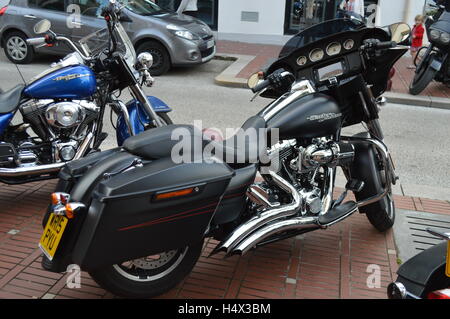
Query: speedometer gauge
{"x": 316, "y": 55}
{"x": 349, "y": 44}
{"x": 334, "y": 49}
{"x": 301, "y": 61}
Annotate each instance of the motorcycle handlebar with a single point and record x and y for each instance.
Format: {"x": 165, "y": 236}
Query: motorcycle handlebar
{"x": 36, "y": 41}
{"x": 261, "y": 86}
{"x": 385, "y": 45}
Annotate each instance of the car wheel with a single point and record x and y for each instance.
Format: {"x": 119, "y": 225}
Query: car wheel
{"x": 16, "y": 48}
{"x": 161, "y": 58}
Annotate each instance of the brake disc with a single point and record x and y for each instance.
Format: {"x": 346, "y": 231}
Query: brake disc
{"x": 154, "y": 261}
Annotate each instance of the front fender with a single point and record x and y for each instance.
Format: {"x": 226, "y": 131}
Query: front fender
{"x": 138, "y": 117}
{"x": 437, "y": 62}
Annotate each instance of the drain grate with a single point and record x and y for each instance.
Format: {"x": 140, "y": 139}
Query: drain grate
{"x": 410, "y": 232}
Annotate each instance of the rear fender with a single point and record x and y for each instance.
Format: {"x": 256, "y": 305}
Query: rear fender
{"x": 138, "y": 117}
{"x": 425, "y": 272}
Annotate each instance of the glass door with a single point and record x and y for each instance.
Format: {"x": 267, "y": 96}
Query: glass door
{"x": 301, "y": 14}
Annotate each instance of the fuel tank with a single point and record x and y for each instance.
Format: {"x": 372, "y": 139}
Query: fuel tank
{"x": 72, "y": 82}
{"x": 310, "y": 116}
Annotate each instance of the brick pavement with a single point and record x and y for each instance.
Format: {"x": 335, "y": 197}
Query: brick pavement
{"x": 264, "y": 54}
{"x": 322, "y": 264}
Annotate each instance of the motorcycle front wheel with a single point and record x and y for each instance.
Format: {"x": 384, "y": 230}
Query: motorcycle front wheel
{"x": 149, "y": 276}
{"x": 422, "y": 78}
{"x": 366, "y": 168}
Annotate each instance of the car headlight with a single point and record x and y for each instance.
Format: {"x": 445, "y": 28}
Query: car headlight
{"x": 181, "y": 32}
{"x": 186, "y": 34}
{"x": 445, "y": 38}
{"x": 435, "y": 35}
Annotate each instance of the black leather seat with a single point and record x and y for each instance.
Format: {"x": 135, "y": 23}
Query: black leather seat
{"x": 9, "y": 100}
{"x": 247, "y": 146}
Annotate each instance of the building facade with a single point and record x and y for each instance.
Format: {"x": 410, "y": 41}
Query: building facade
{"x": 272, "y": 21}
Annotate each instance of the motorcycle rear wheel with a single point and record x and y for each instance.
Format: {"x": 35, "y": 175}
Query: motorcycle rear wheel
{"x": 149, "y": 276}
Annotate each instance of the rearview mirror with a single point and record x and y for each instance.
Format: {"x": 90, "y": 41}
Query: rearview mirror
{"x": 253, "y": 80}
{"x": 42, "y": 26}
{"x": 399, "y": 32}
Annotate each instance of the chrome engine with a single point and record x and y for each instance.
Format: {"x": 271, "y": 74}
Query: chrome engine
{"x": 306, "y": 168}
{"x": 292, "y": 197}
{"x": 63, "y": 123}
{"x": 64, "y": 114}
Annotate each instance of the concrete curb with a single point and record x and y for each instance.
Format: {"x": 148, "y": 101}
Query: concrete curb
{"x": 228, "y": 78}
{"x": 419, "y": 100}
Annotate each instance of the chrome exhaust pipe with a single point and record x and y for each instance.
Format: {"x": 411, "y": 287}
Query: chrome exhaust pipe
{"x": 248, "y": 235}
{"x": 265, "y": 217}
{"x": 275, "y": 228}
{"x": 31, "y": 170}
{"x": 48, "y": 168}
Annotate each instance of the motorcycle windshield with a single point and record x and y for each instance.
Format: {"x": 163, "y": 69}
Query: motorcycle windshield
{"x": 98, "y": 41}
{"x": 318, "y": 32}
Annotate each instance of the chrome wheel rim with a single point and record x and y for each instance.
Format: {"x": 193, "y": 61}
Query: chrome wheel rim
{"x": 151, "y": 268}
{"x": 17, "y": 48}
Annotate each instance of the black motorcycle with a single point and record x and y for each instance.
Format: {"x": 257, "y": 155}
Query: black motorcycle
{"x": 434, "y": 64}
{"x": 135, "y": 218}
{"x": 426, "y": 275}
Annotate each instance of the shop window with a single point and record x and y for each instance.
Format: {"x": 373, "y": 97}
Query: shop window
{"x": 301, "y": 14}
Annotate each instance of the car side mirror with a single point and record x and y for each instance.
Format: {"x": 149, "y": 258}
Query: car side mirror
{"x": 400, "y": 32}
{"x": 42, "y": 26}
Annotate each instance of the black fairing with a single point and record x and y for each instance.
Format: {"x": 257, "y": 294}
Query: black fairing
{"x": 313, "y": 115}
{"x": 125, "y": 221}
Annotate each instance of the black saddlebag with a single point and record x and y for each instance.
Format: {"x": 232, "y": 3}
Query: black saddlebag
{"x": 148, "y": 210}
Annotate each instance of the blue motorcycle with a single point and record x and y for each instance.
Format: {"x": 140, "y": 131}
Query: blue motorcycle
{"x": 63, "y": 108}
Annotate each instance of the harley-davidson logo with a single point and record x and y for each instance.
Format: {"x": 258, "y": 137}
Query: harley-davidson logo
{"x": 324, "y": 117}
{"x": 70, "y": 77}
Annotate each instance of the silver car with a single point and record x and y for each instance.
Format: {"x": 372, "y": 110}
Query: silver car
{"x": 173, "y": 39}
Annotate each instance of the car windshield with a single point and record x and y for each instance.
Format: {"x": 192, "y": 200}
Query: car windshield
{"x": 318, "y": 32}
{"x": 143, "y": 7}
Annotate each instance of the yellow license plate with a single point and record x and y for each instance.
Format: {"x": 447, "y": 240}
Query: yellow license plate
{"x": 447, "y": 268}
{"x": 52, "y": 235}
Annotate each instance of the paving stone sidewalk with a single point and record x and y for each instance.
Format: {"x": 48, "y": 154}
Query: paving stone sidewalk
{"x": 265, "y": 54}
{"x": 324, "y": 264}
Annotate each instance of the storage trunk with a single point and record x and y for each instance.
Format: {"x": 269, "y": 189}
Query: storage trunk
{"x": 126, "y": 220}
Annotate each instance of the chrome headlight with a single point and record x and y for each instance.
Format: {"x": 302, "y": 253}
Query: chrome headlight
{"x": 445, "y": 38}
{"x": 435, "y": 35}
{"x": 145, "y": 59}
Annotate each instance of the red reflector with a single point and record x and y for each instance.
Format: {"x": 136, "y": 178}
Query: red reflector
{"x": 3, "y": 10}
{"x": 439, "y": 294}
{"x": 392, "y": 73}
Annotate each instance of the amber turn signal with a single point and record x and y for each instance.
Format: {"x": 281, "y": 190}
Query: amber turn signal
{"x": 182, "y": 192}
{"x": 55, "y": 198}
